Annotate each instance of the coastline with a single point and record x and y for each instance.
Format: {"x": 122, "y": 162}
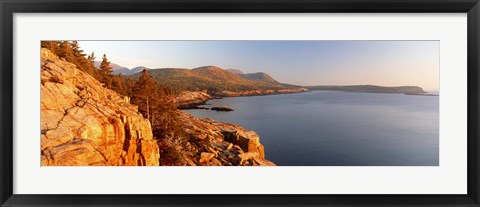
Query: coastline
{"x": 193, "y": 99}
{"x": 215, "y": 143}
{"x": 295, "y": 119}
{"x": 83, "y": 123}
{"x": 221, "y": 143}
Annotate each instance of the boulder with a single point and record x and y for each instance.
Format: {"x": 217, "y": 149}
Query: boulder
{"x": 247, "y": 156}
{"x": 247, "y": 141}
{"x": 206, "y": 156}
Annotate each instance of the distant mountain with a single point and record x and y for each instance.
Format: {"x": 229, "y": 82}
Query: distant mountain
{"x": 136, "y": 70}
{"x": 410, "y": 90}
{"x": 117, "y": 69}
{"x": 260, "y": 76}
{"x": 124, "y": 71}
{"x": 216, "y": 73}
{"x": 236, "y": 71}
{"x": 113, "y": 65}
{"x": 212, "y": 78}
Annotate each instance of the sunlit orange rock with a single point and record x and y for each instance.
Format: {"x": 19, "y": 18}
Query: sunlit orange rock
{"x": 83, "y": 123}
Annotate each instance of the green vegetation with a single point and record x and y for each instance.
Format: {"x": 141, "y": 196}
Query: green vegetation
{"x": 71, "y": 52}
{"x": 260, "y": 76}
{"x": 213, "y": 79}
{"x": 157, "y": 104}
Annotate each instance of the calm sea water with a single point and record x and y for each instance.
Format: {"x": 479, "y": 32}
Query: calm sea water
{"x": 324, "y": 128}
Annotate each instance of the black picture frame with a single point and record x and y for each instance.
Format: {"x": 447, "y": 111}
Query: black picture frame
{"x": 9, "y": 7}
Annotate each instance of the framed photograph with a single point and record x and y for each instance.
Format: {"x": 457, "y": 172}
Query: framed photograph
{"x": 240, "y": 103}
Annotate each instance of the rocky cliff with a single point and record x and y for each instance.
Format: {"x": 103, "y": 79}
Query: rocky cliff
{"x": 83, "y": 123}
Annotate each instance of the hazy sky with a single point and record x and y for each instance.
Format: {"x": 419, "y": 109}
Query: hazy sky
{"x": 386, "y": 63}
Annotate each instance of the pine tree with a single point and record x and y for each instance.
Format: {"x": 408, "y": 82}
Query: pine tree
{"x": 91, "y": 58}
{"x": 80, "y": 60}
{"x": 130, "y": 86}
{"x": 71, "y": 52}
{"x": 51, "y": 45}
{"x": 145, "y": 95}
{"x": 65, "y": 51}
{"x": 77, "y": 52}
{"x": 105, "y": 72}
{"x": 166, "y": 123}
{"x": 105, "y": 67}
{"x": 119, "y": 84}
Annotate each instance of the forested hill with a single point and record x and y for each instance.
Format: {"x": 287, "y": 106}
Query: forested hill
{"x": 371, "y": 89}
{"x": 213, "y": 79}
{"x": 260, "y": 76}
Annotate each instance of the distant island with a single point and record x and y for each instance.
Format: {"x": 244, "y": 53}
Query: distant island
{"x": 407, "y": 90}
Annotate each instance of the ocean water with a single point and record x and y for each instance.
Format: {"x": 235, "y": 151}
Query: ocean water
{"x": 326, "y": 128}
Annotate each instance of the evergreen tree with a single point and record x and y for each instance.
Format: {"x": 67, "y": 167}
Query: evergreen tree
{"x": 65, "y": 51}
{"x": 105, "y": 72}
{"x": 130, "y": 85}
{"x": 166, "y": 122}
{"x": 91, "y": 58}
{"x": 71, "y": 52}
{"x": 77, "y": 52}
{"x": 105, "y": 67}
{"x": 80, "y": 60}
{"x": 51, "y": 45}
{"x": 119, "y": 84}
{"x": 91, "y": 65}
{"x": 145, "y": 95}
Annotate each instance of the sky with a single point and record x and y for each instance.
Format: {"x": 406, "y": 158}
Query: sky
{"x": 385, "y": 63}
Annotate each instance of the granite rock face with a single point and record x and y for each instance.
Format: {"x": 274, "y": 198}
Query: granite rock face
{"x": 84, "y": 123}
{"x": 222, "y": 144}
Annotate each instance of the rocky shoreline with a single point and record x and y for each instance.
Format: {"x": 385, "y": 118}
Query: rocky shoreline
{"x": 84, "y": 124}
{"x": 193, "y": 99}
{"x": 217, "y": 143}
{"x": 220, "y": 144}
